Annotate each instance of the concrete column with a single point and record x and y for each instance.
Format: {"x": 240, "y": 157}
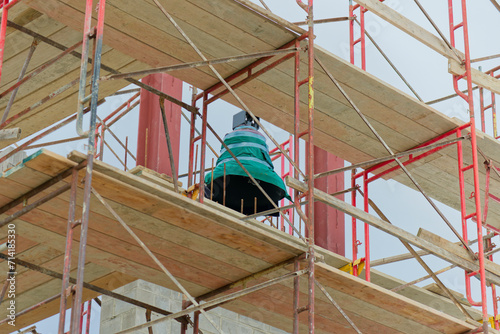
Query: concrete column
{"x": 329, "y": 223}
{"x": 152, "y": 150}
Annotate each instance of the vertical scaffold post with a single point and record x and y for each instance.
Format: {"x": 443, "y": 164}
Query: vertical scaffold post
{"x": 494, "y": 109}
{"x": 309, "y": 161}
{"x": 361, "y": 39}
{"x": 491, "y": 106}
{"x": 475, "y": 167}
{"x": 296, "y": 122}
{"x": 493, "y": 290}
{"x": 192, "y": 140}
{"x": 310, "y": 165}
{"x": 65, "y": 289}
{"x": 352, "y": 43}
{"x": 489, "y": 244}
{"x": 296, "y": 159}
{"x": 367, "y": 227}
{"x": 296, "y": 299}
{"x": 94, "y": 94}
{"x": 354, "y": 224}
{"x": 204, "y": 122}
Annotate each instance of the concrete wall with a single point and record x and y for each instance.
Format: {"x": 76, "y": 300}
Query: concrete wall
{"x": 117, "y": 315}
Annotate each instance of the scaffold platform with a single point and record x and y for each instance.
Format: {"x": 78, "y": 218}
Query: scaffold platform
{"x": 229, "y": 28}
{"x": 207, "y": 246}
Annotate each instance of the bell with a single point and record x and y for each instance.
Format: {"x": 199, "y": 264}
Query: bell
{"x": 231, "y": 185}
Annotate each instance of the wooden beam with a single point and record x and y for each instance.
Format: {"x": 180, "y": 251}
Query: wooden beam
{"x": 492, "y": 272}
{"x": 496, "y": 4}
{"x": 10, "y": 134}
{"x": 433, "y": 287}
{"x": 411, "y": 28}
{"x": 479, "y": 78}
{"x": 406, "y": 256}
{"x": 431, "y": 40}
{"x": 453, "y": 248}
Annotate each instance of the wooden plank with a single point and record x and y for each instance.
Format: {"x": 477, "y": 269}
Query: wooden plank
{"x": 104, "y": 259}
{"x": 145, "y": 201}
{"x": 454, "y": 249}
{"x": 59, "y": 108}
{"x": 54, "y": 164}
{"x": 142, "y": 197}
{"x": 432, "y": 41}
{"x": 423, "y": 296}
{"x": 408, "y": 26}
{"x": 277, "y": 301}
{"x": 389, "y": 300}
{"x": 42, "y": 54}
{"x": 370, "y": 315}
{"x": 161, "y": 239}
{"x": 479, "y": 78}
{"x": 66, "y": 70}
{"x": 151, "y": 175}
{"x": 140, "y": 171}
{"x": 17, "y": 42}
{"x": 492, "y": 274}
{"x": 129, "y": 251}
{"x": 433, "y": 287}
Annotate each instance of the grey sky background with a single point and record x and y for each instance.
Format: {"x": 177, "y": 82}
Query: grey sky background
{"x": 423, "y": 68}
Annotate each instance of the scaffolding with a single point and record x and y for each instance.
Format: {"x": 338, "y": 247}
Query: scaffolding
{"x": 304, "y": 192}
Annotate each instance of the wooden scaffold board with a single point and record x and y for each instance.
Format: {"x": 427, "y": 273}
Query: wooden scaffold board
{"x": 205, "y": 246}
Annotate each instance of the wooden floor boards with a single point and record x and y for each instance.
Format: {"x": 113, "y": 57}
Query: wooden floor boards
{"x": 204, "y": 247}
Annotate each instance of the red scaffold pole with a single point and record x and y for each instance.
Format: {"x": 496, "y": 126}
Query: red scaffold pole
{"x": 361, "y": 39}
{"x": 354, "y": 223}
{"x": 475, "y": 166}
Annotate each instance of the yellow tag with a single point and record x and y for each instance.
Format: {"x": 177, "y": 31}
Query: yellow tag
{"x": 349, "y": 268}
{"x": 192, "y": 192}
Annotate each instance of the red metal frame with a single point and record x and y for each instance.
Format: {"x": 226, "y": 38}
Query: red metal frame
{"x": 489, "y": 244}
{"x": 284, "y": 173}
{"x": 368, "y": 179}
{"x": 66, "y": 290}
{"x": 87, "y": 313}
{"x": 475, "y": 166}
{"x": 361, "y": 39}
{"x": 491, "y": 106}
{"x": 367, "y": 228}
{"x": 352, "y": 43}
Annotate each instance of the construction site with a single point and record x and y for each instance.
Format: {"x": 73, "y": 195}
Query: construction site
{"x": 266, "y": 163}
